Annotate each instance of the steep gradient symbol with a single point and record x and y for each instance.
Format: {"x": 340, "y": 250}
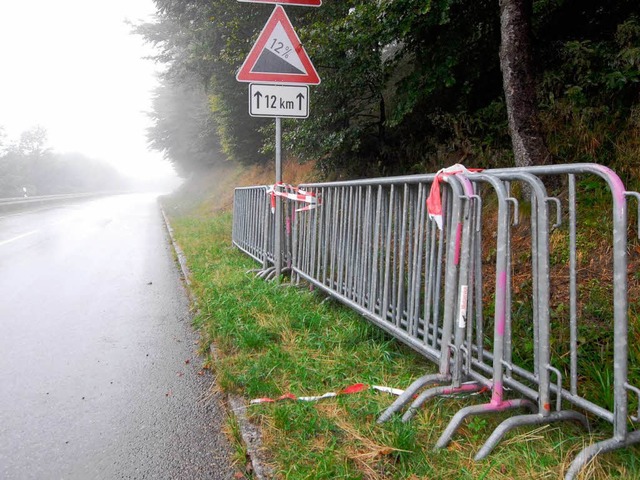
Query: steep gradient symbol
{"x": 278, "y": 56}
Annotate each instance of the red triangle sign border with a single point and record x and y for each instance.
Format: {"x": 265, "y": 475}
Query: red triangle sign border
{"x": 247, "y": 73}
{"x": 299, "y": 3}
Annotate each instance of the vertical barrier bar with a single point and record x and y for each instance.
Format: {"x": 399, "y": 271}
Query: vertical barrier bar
{"x": 388, "y": 254}
{"x": 573, "y": 288}
{"x": 373, "y": 293}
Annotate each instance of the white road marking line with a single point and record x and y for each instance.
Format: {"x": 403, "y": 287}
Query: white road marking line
{"x": 18, "y": 237}
{"x": 37, "y": 210}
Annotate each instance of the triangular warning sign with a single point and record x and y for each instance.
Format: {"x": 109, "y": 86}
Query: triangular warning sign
{"x": 278, "y": 56}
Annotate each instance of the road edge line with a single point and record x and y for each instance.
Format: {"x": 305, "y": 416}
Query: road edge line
{"x": 235, "y": 404}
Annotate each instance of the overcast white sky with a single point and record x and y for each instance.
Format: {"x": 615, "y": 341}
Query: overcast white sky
{"x": 72, "y": 67}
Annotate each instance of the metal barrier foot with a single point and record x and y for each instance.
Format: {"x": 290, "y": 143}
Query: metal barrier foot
{"x": 263, "y": 273}
{"x": 596, "y": 449}
{"x": 483, "y": 409}
{"x": 525, "y": 420}
{"x": 438, "y": 391}
{"x": 268, "y": 274}
{"x": 408, "y": 394}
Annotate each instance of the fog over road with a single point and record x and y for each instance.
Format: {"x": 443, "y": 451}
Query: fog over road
{"x": 98, "y": 375}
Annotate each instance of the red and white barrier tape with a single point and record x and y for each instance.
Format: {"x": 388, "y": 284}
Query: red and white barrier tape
{"x": 292, "y": 193}
{"x": 355, "y": 388}
{"x": 434, "y": 200}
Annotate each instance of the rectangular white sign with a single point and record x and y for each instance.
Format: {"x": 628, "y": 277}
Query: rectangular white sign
{"x": 278, "y": 100}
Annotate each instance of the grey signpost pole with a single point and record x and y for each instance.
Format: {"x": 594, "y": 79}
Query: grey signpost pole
{"x": 277, "y": 260}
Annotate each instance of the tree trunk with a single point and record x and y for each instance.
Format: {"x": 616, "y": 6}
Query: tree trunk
{"x": 518, "y": 81}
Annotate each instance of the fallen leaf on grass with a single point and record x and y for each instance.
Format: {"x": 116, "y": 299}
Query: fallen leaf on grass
{"x": 380, "y": 452}
{"x": 455, "y": 446}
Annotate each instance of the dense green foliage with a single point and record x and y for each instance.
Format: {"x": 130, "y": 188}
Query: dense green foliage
{"x": 407, "y": 85}
{"x": 28, "y": 167}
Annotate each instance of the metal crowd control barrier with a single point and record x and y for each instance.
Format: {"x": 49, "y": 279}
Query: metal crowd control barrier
{"x": 253, "y": 230}
{"x": 372, "y": 245}
{"x": 619, "y": 414}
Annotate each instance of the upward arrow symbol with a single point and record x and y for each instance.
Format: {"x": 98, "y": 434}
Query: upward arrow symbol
{"x": 258, "y": 96}
{"x": 300, "y": 98}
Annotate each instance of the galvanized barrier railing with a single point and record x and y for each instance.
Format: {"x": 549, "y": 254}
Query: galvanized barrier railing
{"x": 618, "y": 413}
{"x": 363, "y": 244}
{"x": 372, "y": 245}
{"x": 252, "y": 230}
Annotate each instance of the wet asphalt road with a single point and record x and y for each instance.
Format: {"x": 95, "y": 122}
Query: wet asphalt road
{"x": 98, "y": 373}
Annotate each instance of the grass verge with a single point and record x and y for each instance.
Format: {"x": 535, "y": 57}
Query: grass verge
{"x": 277, "y": 339}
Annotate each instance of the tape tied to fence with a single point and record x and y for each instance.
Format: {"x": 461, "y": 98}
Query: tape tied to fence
{"x": 434, "y": 200}
{"x": 355, "y": 388}
{"x": 296, "y": 194}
